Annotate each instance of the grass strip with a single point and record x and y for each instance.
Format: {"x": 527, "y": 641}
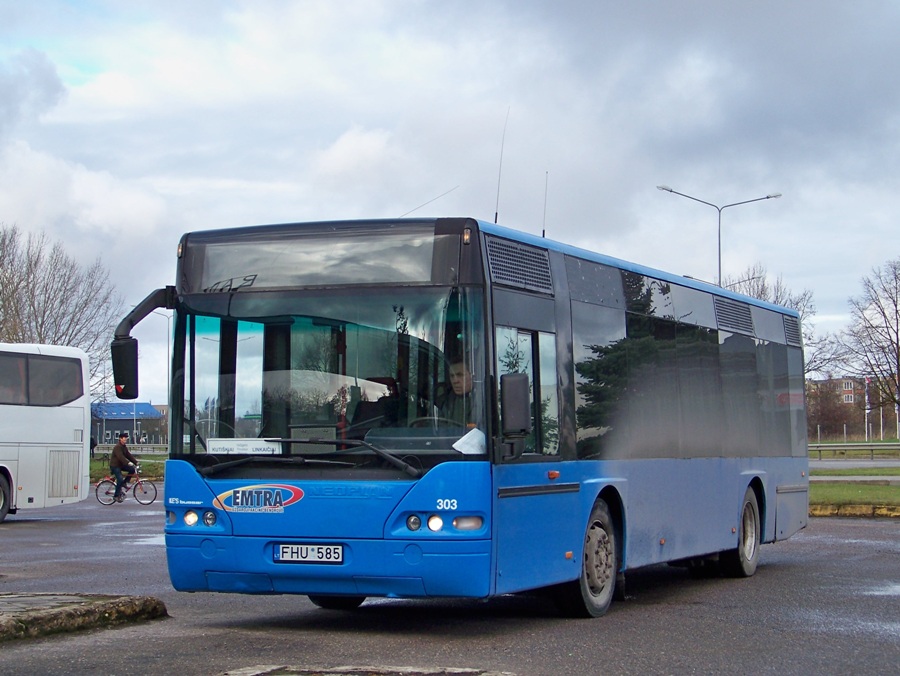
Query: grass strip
{"x": 847, "y": 493}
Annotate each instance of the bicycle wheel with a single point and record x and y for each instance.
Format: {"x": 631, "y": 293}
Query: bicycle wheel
{"x": 144, "y": 491}
{"x": 106, "y": 491}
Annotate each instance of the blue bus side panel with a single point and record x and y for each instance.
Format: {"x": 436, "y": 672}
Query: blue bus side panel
{"x": 672, "y": 509}
{"x": 684, "y": 508}
{"x": 539, "y": 524}
{"x": 792, "y": 504}
{"x": 382, "y": 557}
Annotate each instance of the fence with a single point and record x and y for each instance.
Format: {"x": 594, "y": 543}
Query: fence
{"x": 103, "y": 450}
{"x": 889, "y": 451}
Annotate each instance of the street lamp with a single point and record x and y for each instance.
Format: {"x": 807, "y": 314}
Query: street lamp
{"x": 719, "y": 209}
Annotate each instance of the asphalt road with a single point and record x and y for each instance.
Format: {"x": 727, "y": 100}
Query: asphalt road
{"x": 827, "y": 602}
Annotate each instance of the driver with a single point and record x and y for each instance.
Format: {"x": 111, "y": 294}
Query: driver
{"x": 456, "y": 404}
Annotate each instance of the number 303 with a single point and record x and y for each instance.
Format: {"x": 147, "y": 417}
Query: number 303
{"x": 446, "y": 504}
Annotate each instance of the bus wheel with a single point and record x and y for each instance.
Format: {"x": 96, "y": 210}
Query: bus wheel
{"x": 592, "y": 593}
{"x": 742, "y": 561}
{"x": 4, "y": 497}
{"x": 337, "y": 602}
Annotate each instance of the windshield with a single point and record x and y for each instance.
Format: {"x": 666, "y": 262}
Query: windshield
{"x": 332, "y": 376}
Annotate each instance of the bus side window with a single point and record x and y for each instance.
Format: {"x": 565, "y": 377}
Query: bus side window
{"x": 534, "y": 353}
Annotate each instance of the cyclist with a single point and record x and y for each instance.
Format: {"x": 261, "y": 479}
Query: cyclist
{"x": 120, "y": 459}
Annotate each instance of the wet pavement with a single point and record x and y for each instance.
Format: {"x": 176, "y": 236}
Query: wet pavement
{"x": 36, "y": 615}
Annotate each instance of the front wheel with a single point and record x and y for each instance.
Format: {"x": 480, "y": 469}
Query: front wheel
{"x": 593, "y": 592}
{"x": 106, "y": 492}
{"x": 337, "y": 602}
{"x": 144, "y": 492}
{"x": 742, "y": 561}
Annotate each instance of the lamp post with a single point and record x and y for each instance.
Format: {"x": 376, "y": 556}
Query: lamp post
{"x": 719, "y": 209}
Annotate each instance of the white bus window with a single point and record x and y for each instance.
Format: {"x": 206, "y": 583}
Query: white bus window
{"x": 12, "y": 379}
{"x": 53, "y": 381}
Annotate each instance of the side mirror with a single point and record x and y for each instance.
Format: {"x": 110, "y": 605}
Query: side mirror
{"x": 125, "y": 367}
{"x": 515, "y": 405}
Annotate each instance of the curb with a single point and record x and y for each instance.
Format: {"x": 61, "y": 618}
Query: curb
{"x": 33, "y": 615}
{"x": 857, "y": 511}
{"x": 283, "y": 670}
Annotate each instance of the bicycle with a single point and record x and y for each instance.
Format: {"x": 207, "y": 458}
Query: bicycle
{"x": 143, "y": 490}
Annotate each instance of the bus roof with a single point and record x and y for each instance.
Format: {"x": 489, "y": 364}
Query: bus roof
{"x": 507, "y": 233}
{"x": 552, "y": 245}
{"x": 49, "y": 350}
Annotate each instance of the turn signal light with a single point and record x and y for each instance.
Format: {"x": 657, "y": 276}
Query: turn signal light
{"x": 468, "y": 523}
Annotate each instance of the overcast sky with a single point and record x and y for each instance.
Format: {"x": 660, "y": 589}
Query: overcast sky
{"x": 125, "y": 124}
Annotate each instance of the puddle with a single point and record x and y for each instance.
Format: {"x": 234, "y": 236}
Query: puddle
{"x": 884, "y": 590}
{"x": 153, "y": 540}
{"x": 820, "y": 622}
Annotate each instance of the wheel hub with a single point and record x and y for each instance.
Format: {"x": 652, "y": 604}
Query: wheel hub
{"x": 598, "y": 557}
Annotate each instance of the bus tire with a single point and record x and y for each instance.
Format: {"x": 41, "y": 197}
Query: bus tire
{"x": 742, "y": 560}
{"x": 337, "y": 602}
{"x": 4, "y": 497}
{"x": 593, "y": 592}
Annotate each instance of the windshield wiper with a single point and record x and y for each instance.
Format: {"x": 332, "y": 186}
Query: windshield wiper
{"x": 414, "y": 472}
{"x": 215, "y": 469}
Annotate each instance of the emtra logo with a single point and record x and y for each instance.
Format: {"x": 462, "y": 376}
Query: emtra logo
{"x": 262, "y": 499}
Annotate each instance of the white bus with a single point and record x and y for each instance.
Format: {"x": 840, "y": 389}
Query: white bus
{"x": 45, "y": 417}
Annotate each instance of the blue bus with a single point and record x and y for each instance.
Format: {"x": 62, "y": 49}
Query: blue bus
{"x": 449, "y": 408}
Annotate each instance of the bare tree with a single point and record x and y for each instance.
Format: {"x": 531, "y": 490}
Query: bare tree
{"x": 47, "y": 297}
{"x": 871, "y": 344}
{"x": 820, "y": 353}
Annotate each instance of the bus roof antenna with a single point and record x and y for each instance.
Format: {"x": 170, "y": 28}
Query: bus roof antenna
{"x": 434, "y": 199}
{"x": 500, "y": 170}
{"x": 544, "y": 223}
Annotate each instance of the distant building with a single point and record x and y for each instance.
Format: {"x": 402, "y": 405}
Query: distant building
{"x": 847, "y": 408}
{"x": 143, "y": 422}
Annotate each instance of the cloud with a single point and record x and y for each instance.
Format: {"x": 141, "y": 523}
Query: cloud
{"x": 29, "y": 86}
{"x": 94, "y": 214}
{"x": 122, "y": 129}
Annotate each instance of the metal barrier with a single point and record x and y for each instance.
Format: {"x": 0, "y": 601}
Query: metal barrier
{"x": 136, "y": 449}
{"x": 859, "y": 450}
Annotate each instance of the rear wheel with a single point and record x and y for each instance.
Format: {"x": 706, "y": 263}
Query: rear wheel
{"x": 742, "y": 561}
{"x": 593, "y": 592}
{"x": 106, "y": 492}
{"x": 337, "y": 602}
{"x": 144, "y": 492}
{"x": 4, "y": 497}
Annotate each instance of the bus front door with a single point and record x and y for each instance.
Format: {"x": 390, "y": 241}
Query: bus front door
{"x": 537, "y": 534}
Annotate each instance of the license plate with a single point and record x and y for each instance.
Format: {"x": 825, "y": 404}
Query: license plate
{"x": 309, "y": 553}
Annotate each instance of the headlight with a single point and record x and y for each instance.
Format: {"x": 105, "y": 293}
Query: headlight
{"x": 413, "y": 522}
{"x": 435, "y": 523}
{"x": 209, "y": 518}
{"x": 191, "y": 518}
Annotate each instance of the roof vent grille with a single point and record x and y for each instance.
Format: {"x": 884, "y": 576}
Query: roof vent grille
{"x": 518, "y": 265}
{"x": 734, "y": 316}
{"x": 792, "y": 331}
